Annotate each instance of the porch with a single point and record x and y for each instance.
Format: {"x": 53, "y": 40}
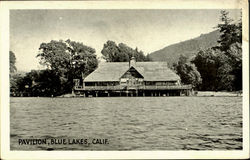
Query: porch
{"x": 132, "y": 87}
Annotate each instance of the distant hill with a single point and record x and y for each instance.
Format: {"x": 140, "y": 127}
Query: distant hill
{"x": 172, "y": 53}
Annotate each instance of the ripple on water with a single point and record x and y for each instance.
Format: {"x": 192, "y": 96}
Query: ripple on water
{"x": 135, "y": 123}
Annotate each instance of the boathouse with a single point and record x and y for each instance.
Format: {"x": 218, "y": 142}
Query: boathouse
{"x": 131, "y": 79}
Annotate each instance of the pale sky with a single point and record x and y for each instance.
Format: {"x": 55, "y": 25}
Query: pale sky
{"x": 149, "y": 30}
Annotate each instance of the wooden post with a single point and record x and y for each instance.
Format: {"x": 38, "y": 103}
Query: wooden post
{"x": 96, "y": 94}
{"x": 108, "y": 94}
{"x": 73, "y": 93}
{"x": 143, "y": 93}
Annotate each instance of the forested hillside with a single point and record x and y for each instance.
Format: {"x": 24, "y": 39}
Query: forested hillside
{"x": 188, "y": 48}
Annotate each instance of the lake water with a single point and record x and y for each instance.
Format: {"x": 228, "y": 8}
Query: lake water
{"x": 128, "y": 123}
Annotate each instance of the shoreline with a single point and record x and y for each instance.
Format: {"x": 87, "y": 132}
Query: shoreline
{"x": 219, "y": 94}
{"x": 199, "y": 94}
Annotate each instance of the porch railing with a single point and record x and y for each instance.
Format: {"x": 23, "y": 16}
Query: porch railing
{"x": 142, "y": 87}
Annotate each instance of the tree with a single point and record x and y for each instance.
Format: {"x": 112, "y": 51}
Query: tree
{"x": 67, "y": 60}
{"x": 83, "y": 59}
{"x": 14, "y": 78}
{"x": 205, "y": 61}
{"x": 230, "y": 33}
{"x": 125, "y": 52}
{"x": 187, "y": 72}
{"x": 62, "y": 56}
{"x": 230, "y": 44}
{"x": 37, "y": 83}
{"x": 215, "y": 70}
{"x": 54, "y": 55}
{"x": 140, "y": 57}
{"x": 235, "y": 61}
{"x": 121, "y": 53}
{"x": 43, "y": 83}
{"x": 15, "y": 84}
{"x": 12, "y": 59}
{"x": 221, "y": 66}
{"x": 110, "y": 51}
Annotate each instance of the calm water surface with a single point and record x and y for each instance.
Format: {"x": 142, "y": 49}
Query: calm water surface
{"x": 134, "y": 123}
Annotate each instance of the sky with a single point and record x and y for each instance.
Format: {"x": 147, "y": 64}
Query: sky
{"x": 148, "y": 30}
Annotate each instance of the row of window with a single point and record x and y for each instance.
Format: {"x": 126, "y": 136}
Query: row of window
{"x": 131, "y": 82}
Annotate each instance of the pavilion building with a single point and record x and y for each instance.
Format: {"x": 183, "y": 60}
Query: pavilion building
{"x": 131, "y": 79}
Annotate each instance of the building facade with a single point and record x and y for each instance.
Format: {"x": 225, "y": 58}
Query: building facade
{"x": 131, "y": 79}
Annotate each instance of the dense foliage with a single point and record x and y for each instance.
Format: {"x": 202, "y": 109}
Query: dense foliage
{"x": 224, "y": 61}
{"x": 212, "y": 66}
{"x": 39, "y": 83}
{"x": 121, "y": 53}
{"x": 14, "y": 78}
{"x": 230, "y": 33}
{"x": 187, "y": 72}
{"x": 12, "y": 59}
{"x": 220, "y": 66}
{"x": 68, "y": 59}
{"x": 65, "y": 61}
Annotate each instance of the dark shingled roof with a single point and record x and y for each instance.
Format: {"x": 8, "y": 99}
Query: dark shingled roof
{"x": 151, "y": 71}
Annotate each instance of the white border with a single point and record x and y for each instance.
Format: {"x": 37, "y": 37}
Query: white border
{"x": 167, "y": 4}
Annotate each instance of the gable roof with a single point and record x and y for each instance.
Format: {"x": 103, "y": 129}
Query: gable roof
{"x": 151, "y": 71}
{"x": 132, "y": 68}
